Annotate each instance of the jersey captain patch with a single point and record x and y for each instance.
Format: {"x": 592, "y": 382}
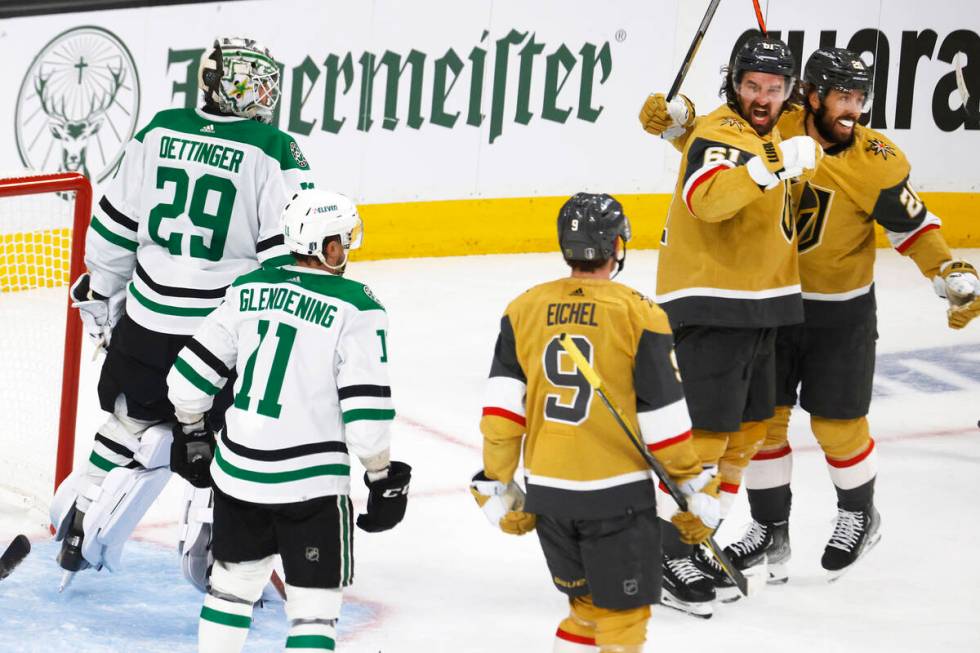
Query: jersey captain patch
{"x": 877, "y": 146}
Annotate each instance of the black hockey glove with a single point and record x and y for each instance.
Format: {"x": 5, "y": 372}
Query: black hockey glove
{"x": 388, "y": 499}
{"x": 191, "y": 453}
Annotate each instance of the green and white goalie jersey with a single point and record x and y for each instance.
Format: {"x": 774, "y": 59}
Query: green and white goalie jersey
{"x": 195, "y": 204}
{"x": 310, "y": 353}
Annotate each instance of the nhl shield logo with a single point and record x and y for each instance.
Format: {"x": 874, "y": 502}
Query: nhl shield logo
{"x": 78, "y": 104}
{"x": 312, "y": 554}
{"x": 630, "y": 587}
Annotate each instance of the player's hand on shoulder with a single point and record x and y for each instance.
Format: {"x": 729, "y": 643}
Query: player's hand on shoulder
{"x": 668, "y": 119}
{"x": 959, "y": 285}
{"x": 703, "y": 508}
{"x": 191, "y": 452}
{"x": 502, "y": 504}
{"x": 387, "y": 498}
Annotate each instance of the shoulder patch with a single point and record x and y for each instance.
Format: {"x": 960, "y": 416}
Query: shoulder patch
{"x": 729, "y": 121}
{"x": 372, "y": 297}
{"x": 297, "y": 155}
{"x": 643, "y": 298}
{"x": 877, "y": 146}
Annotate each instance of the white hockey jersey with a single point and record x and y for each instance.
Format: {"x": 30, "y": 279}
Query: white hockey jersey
{"x": 311, "y": 357}
{"x": 195, "y": 204}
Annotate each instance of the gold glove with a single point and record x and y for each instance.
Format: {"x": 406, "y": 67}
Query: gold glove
{"x": 503, "y": 504}
{"x": 671, "y": 120}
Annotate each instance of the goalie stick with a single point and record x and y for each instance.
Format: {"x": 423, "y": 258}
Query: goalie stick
{"x": 693, "y": 50}
{"x": 14, "y": 555}
{"x": 593, "y": 378}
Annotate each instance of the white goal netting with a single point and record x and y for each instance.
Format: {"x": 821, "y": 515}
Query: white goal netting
{"x": 35, "y": 250}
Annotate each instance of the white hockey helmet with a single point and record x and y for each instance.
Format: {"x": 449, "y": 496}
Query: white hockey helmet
{"x": 313, "y": 215}
{"x": 240, "y": 78}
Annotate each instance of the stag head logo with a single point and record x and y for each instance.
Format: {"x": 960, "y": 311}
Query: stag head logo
{"x": 78, "y": 104}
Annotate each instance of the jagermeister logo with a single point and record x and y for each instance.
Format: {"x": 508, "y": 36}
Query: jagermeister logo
{"x": 78, "y": 104}
{"x": 498, "y": 81}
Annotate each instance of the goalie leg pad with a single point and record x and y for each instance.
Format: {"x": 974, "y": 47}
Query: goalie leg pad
{"x": 77, "y": 488}
{"x": 110, "y": 519}
{"x": 194, "y": 535}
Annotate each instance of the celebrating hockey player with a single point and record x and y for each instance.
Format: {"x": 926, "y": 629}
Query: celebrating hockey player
{"x": 863, "y": 179}
{"x": 589, "y": 492}
{"x": 313, "y": 388}
{"x": 728, "y": 276}
{"x": 195, "y": 204}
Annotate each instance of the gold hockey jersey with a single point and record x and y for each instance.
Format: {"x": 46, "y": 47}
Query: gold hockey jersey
{"x": 854, "y": 187}
{"x": 728, "y": 252}
{"x": 577, "y": 460}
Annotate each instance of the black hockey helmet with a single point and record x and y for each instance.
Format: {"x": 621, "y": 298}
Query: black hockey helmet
{"x": 764, "y": 55}
{"x": 588, "y": 225}
{"x": 837, "y": 68}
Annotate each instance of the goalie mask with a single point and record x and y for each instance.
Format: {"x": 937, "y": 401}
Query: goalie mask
{"x": 312, "y": 216}
{"x": 589, "y": 225}
{"x": 240, "y": 78}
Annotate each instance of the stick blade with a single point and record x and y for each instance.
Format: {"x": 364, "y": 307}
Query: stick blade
{"x": 14, "y": 555}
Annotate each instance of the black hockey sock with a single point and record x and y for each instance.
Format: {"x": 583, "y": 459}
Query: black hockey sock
{"x": 670, "y": 540}
{"x": 771, "y": 504}
{"x": 856, "y": 499}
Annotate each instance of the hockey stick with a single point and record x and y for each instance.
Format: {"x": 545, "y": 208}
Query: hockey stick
{"x": 675, "y": 493}
{"x": 759, "y": 18}
{"x": 961, "y": 85}
{"x": 14, "y": 555}
{"x": 693, "y": 50}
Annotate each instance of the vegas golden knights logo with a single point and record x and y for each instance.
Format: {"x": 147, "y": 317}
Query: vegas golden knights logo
{"x": 812, "y": 216}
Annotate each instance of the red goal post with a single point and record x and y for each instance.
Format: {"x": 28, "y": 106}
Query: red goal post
{"x": 81, "y": 213}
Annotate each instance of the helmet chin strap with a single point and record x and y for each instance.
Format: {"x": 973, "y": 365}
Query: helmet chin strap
{"x": 620, "y": 262}
{"x": 337, "y": 269}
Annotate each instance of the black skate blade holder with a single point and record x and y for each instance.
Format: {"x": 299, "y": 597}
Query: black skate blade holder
{"x": 593, "y": 378}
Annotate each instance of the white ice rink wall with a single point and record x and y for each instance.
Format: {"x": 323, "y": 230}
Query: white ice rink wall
{"x": 461, "y": 126}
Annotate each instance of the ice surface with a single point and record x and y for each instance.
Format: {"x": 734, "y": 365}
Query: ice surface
{"x": 445, "y": 581}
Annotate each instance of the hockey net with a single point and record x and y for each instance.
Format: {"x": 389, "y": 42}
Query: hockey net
{"x": 42, "y": 226}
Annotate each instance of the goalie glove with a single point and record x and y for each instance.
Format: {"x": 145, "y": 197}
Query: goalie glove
{"x": 703, "y": 508}
{"x": 788, "y": 159}
{"x": 191, "y": 453}
{"x": 668, "y": 119}
{"x": 502, "y": 504}
{"x": 99, "y": 314}
{"x": 387, "y": 498}
{"x": 957, "y": 283}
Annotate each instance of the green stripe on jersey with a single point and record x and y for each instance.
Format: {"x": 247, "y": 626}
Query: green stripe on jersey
{"x": 359, "y": 414}
{"x": 336, "y": 469}
{"x": 225, "y": 618}
{"x": 164, "y": 309}
{"x": 276, "y": 144}
{"x": 310, "y": 641}
{"x": 330, "y": 285}
{"x": 195, "y": 378}
{"x": 113, "y": 237}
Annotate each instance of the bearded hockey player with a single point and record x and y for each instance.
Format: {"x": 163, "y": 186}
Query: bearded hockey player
{"x": 313, "y": 389}
{"x": 589, "y": 492}
{"x": 863, "y": 179}
{"x": 728, "y": 277}
{"x": 195, "y": 204}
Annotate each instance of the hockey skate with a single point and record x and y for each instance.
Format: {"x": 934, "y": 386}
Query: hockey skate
{"x": 855, "y": 534}
{"x": 763, "y": 543}
{"x": 725, "y": 589}
{"x": 70, "y": 557}
{"x": 686, "y": 588}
